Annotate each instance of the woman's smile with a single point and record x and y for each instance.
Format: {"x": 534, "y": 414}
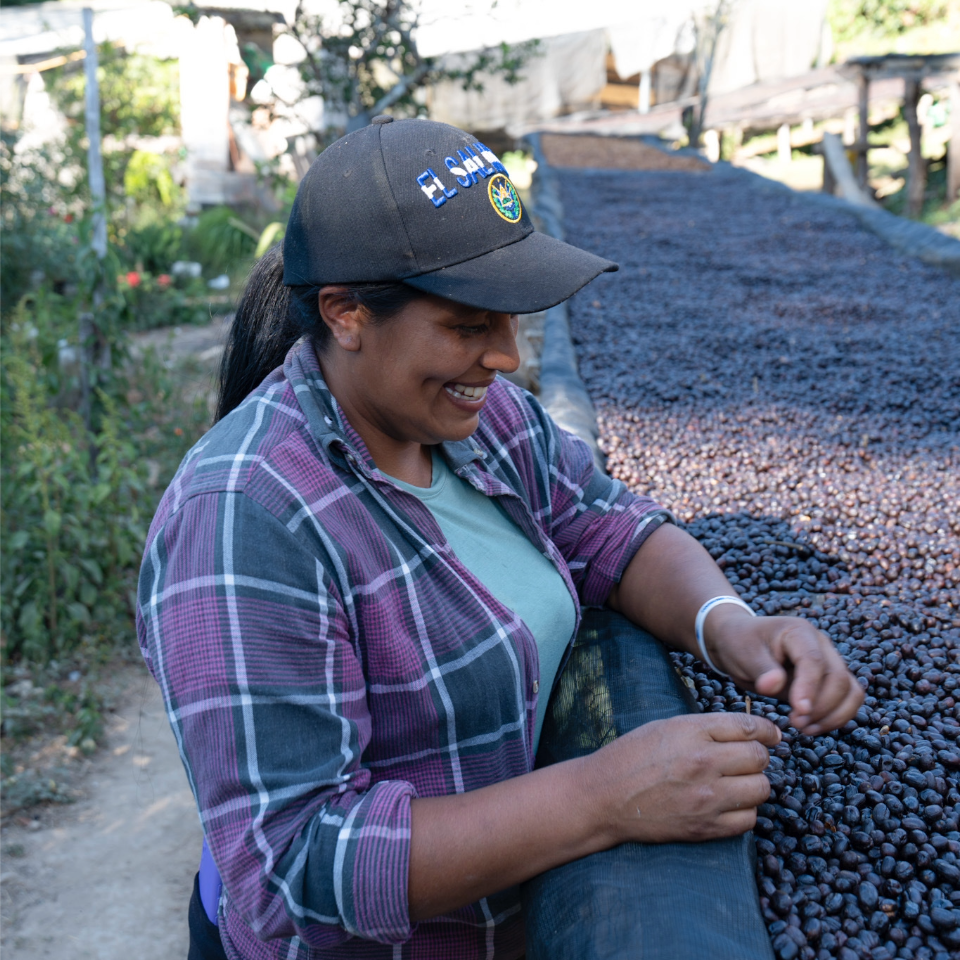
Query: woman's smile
{"x": 473, "y": 395}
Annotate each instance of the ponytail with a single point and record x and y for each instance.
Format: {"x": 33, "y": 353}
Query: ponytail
{"x": 261, "y": 333}
{"x": 272, "y": 317}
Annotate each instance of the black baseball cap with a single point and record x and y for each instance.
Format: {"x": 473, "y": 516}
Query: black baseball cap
{"x": 427, "y": 204}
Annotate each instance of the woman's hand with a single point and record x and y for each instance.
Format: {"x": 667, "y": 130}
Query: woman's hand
{"x": 788, "y": 658}
{"x": 698, "y": 777}
{"x": 690, "y": 778}
{"x": 662, "y": 589}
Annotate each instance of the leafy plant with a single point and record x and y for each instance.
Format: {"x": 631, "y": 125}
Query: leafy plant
{"x": 73, "y": 516}
{"x": 887, "y": 18}
{"x": 139, "y": 95}
{"x": 38, "y": 235}
{"x": 162, "y": 300}
{"x": 149, "y": 180}
{"x": 155, "y": 247}
{"x": 221, "y": 240}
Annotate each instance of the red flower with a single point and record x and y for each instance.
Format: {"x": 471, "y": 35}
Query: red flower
{"x": 164, "y": 280}
{"x": 133, "y": 278}
{"x": 68, "y": 218}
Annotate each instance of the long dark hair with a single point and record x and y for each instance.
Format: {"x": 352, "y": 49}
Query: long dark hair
{"x": 271, "y": 317}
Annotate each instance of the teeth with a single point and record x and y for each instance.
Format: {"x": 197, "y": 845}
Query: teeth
{"x": 464, "y": 392}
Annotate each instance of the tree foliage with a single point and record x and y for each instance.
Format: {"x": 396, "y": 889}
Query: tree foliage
{"x": 139, "y": 97}
{"x": 370, "y": 63}
{"x": 139, "y": 94}
{"x": 888, "y": 18}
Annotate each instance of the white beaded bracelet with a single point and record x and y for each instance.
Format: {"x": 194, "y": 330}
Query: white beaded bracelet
{"x": 698, "y": 627}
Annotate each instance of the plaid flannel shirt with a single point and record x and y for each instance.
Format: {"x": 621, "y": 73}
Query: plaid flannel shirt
{"x": 324, "y": 657}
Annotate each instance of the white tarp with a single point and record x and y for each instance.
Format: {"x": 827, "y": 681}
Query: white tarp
{"x": 762, "y": 40}
{"x": 767, "y": 40}
{"x": 568, "y": 75}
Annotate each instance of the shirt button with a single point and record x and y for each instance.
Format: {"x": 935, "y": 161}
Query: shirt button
{"x": 536, "y": 686}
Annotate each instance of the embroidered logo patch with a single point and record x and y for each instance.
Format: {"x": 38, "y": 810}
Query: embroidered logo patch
{"x": 471, "y": 165}
{"x": 504, "y": 198}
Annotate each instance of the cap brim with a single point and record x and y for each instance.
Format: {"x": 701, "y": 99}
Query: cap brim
{"x": 533, "y": 274}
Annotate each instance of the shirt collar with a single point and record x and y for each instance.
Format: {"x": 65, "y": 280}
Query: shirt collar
{"x": 329, "y": 426}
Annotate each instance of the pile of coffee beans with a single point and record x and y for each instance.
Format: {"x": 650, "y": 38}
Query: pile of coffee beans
{"x": 790, "y": 386}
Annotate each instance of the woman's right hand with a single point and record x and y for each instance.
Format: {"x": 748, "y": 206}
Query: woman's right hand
{"x": 690, "y": 778}
{"x": 695, "y": 777}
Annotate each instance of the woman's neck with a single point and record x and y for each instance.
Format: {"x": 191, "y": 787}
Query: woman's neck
{"x": 406, "y": 460}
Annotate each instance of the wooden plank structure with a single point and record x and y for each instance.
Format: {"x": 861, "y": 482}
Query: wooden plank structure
{"x": 913, "y": 70}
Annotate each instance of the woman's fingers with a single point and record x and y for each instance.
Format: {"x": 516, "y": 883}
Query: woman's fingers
{"x": 803, "y": 649}
{"x": 737, "y": 759}
{"x": 725, "y": 727}
{"x": 847, "y": 708}
{"x": 822, "y": 685}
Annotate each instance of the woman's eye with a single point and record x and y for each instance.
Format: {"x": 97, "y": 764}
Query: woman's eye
{"x": 473, "y": 331}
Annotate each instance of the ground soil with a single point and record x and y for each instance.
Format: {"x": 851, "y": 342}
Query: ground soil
{"x": 109, "y": 877}
{"x": 614, "y": 153}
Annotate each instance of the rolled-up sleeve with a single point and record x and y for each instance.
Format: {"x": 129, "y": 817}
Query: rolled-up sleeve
{"x": 243, "y": 625}
{"x": 595, "y": 521}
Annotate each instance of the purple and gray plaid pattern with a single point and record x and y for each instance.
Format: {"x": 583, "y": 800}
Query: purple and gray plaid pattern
{"x": 325, "y": 657}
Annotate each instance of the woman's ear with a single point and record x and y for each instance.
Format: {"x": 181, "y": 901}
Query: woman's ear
{"x": 343, "y": 316}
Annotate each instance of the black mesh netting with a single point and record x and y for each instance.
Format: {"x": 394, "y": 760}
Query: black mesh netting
{"x": 672, "y": 901}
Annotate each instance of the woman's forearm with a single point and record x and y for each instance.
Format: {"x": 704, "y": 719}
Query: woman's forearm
{"x": 666, "y": 583}
{"x": 471, "y": 845}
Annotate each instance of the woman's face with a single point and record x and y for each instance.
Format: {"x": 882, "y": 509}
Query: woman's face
{"x": 420, "y": 377}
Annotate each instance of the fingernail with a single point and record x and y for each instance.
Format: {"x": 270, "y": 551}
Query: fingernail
{"x": 805, "y": 705}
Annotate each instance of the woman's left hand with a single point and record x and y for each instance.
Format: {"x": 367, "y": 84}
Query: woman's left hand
{"x": 788, "y": 658}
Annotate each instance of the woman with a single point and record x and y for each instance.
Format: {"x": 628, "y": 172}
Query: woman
{"x": 361, "y": 585}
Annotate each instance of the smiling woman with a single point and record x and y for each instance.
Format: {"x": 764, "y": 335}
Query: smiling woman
{"x": 364, "y": 586}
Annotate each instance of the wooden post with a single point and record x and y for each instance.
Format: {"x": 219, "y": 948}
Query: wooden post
{"x": 643, "y": 101}
{"x": 916, "y": 171}
{"x": 784, "y": 150}
{"x": 94, "y": 347}
{"x": 953, "y": 150}
{"x": 94, "y": 157}
{"x": 863, "y": 143}
{"x": 829, "y": 180}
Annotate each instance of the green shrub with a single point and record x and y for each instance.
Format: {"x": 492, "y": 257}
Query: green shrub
{"x": 221, "y": 241}
{"x": 885, "y": 18}
{"x": 38, "y": 233}
{"x": 148, "y": 180}
{"x": 73, "y": 516}
{"x": 155, "y": 247}
{"x": 162, "y": 300}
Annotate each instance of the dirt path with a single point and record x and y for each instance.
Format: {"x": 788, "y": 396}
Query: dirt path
{"x": 110, "y": 876}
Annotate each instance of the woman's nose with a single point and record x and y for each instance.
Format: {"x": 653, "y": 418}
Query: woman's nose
{"x": 502, "y": 353}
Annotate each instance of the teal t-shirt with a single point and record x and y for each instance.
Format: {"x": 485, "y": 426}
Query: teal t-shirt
{"x": 497, "y": 552}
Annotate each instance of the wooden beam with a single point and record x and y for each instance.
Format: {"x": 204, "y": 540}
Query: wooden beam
{"x": 916, "y": 170}
{"x": 835, "y": 157}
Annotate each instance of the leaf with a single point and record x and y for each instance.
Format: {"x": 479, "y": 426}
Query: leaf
{"x": 51, "y": 522}
{"x": 93, "y": 568}
{"x": 267, "y": 237}
{"x": 78, "y": 613}
{"x": 88, "y": 594}
{"x": 19, "y": 540}
{"x": 29, "y": 619}
{"x": 22, "y": 586}
{"x": 71, "y": 576}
